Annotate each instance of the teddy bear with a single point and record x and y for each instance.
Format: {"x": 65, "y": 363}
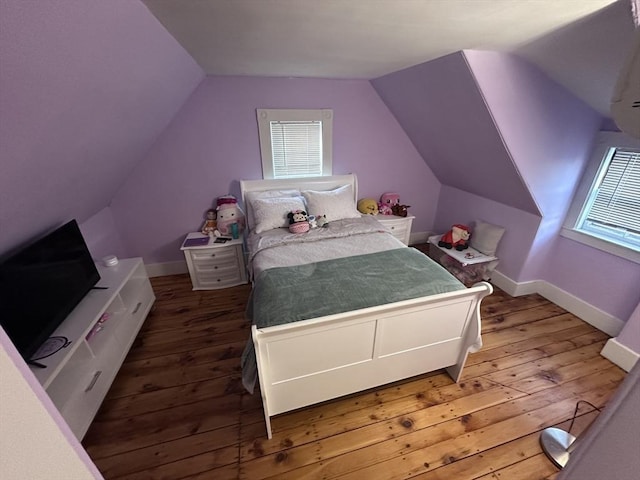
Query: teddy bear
{"x": 400, "y": 210}
{"x": 457, "y": 237}
{"x": 368, "y": 206}
{"x": 298, "y": 221}
{"x": 228, "y": 214}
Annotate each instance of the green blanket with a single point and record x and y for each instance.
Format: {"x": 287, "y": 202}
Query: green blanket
{"x": 289, "y": 294}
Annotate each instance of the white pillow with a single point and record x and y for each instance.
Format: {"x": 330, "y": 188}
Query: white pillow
{"x": 249, "y": 198}
{"x": 485, "y": 237}
{"x": 270, "y": 213}
{"x": 335, "y": 204}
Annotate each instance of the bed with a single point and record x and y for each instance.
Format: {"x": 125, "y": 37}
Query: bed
{"x": 346, "y": 308}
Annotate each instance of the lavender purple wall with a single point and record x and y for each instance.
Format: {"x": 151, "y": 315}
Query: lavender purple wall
{"x": 102, "y": 236}
{"x": 630, "y": 334}
{"x": 440, "y": 107}
{"x": 599, "y": 278}
{"x": 458, "y": 206}
{"x": 85, "y": 89}
{"x": 213, "y": 142}
{"x": 547, "y": 131}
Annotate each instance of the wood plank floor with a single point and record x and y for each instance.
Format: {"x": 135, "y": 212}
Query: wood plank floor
{"x": 177, "y": 408}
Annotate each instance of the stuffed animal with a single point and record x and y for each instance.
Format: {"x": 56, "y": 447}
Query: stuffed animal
{"x": 321, "y": 221}
{"x": 457, "y": 237}
{"x": 298, "y": 221}
{"x": 400, "y": 210}
{"x": 312, "y": 222}
{"x": 387, "y": 201}
{"x": 229, "y": 213}
{"x": 210, "y": 225}
{"x": 368, "y": 206}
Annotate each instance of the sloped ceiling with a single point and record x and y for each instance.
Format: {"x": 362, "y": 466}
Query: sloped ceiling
{"x": 85, "y": 89}
{"x": 580, "y": 44}
{"x": 441, "y": 109}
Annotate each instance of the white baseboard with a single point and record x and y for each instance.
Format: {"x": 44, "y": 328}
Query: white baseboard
{"x": 419, "y": 237}
{"x": 620, "y": 354}
{"x": 512, "y": 287}
{"x": 592, "y": 315}
{"x": 168, "y": 268}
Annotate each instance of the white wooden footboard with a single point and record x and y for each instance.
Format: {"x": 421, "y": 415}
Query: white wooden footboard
{"x": 307, "y": 362}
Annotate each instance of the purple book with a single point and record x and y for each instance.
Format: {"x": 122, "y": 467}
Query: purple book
{"x": 196, "y": 242}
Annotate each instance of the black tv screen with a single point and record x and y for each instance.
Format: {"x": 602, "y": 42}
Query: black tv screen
{"x": 42, "y": 283}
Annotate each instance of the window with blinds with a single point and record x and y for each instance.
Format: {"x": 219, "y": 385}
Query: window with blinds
{"x": 295, "y": 143}
{"x": 296, "y": 149}
{"x": 612, "y": 209}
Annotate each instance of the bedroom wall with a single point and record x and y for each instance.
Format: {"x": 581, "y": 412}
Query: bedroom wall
{"x": 458, "y": 206}
{"x": 213, "y": 142}
{"x": 440, "y": 107}
{"x": 85, "y": 89}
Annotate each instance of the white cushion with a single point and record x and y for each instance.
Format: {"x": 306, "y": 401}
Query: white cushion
{"x": 249, "y": 198}
{"x": 485, "y": 237}
{"x": 335, "y": 204}
{"x": 270, "y": 213}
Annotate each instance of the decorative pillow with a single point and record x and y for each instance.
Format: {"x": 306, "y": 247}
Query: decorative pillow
{"x": 270, "y": 213}
{"x": 250, "y": 197}
{"x": 485, "y": 237}
{"x": 335, "y": 204}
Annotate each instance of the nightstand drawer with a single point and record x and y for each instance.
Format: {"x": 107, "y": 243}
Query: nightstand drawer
{"x": 399, "y": 227}
{"x": 213, "y": 265}
{"x": 224, "y": 277}
{"x": 208, "y": 255}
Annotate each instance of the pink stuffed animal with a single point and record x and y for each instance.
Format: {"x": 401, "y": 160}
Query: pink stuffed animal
{"x": 229, "y": 213}
{"x": 387, "y": 201}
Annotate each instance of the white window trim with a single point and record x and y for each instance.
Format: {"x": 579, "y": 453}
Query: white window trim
{"x": 604, "y": 141}
{"x": 265, "y": 116}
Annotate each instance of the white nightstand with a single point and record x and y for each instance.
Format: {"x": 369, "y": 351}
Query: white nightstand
{"x": 214, "y": 265}
{"x": 400, "y": 227}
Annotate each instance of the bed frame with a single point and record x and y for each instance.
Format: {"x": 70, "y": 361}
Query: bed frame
{"x": 311, "y": 361}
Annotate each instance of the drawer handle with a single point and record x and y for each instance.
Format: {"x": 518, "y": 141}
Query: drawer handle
{"x": 135, "y": 310}
{"x": 93, "y": 381}
{"x": 213, "y": 254}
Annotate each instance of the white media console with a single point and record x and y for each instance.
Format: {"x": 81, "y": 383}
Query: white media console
{"x": 78, "y": 376}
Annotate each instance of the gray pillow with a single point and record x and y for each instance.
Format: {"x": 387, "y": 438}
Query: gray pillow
{"x": 485, "y": 237}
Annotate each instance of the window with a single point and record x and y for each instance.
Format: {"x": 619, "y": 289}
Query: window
{"x": 295, "y": 143}
{"x": 606, "y": 210}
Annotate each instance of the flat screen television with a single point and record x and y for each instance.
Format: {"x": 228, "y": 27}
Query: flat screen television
{"x": 41, "y": 284}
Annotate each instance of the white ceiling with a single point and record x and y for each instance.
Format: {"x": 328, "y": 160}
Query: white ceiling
{"x": 579, "y": 43}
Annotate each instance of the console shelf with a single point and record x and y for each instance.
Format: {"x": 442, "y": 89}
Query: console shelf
{"x": 78, "y": 376}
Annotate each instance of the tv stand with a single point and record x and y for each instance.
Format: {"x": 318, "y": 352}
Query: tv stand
{"x": 33, "y": 363}
{"x": 78, "y": 377}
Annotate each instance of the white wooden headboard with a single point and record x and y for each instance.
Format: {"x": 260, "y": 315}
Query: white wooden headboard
{"x": 306, "y": 183}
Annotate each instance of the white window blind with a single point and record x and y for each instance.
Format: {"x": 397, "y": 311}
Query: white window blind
{"x": 612, "y": 210}
{"x": 296, "y": 148}
{"x": 295, "y": 143}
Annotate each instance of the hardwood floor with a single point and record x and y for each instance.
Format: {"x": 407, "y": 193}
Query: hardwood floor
{"x": 177, "y": 408}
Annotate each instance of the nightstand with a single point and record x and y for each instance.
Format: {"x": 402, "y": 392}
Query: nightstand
{"x": 214, "y": 265}
{"x": 400, "y": 227}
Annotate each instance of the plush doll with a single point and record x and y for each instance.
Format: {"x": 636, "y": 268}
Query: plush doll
{"x": 368, "y": 206}
{"x": 400, "y": 210}
{"x": 228, "y": 214}
{"x": 321, "y": 221}
{"x": 210, "y": 223}
{"x": 298, "y": 221}
{"x": 313, "y": 223}
{"x": 457, "y": 237}
{"x": 387, "y": 201}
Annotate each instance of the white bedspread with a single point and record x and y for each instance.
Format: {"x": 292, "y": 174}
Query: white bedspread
{"x": 342, "y": 238}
